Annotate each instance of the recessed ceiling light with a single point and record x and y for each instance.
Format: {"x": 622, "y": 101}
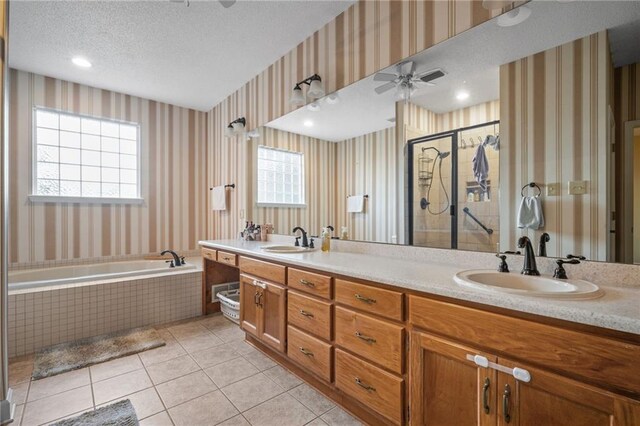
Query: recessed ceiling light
{"x": 333, "y": 99}
{"x": 314, "y": 106}
{"x": 462, "y": 95}
{"x": 81, "y": 62}
{"x": 308, "y": 123}
{"x": 514, "y": 17}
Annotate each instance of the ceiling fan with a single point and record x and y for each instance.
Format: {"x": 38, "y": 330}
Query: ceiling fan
{"x": 225, "y": 3}
{"x": 406, "y": 79}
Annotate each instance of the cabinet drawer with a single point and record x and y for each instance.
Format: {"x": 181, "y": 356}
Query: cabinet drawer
{"x": 310, "y": 315}
{"x": 376, "y": 340}
{"x": 381, "y": 302}
{"x": 266, "y": 270}
{"x": 228, "y": 258}
{"x": 608, "y": 362}
{"x": 309, "y": 352}
{"x": 208, "y": 253}
{"x": 375, "y": 388}
{"x": 316, "y": 284}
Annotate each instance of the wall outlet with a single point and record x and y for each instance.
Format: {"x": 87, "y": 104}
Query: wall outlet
{"x": 577, "y": 187}
{"x": 553, "y": 189}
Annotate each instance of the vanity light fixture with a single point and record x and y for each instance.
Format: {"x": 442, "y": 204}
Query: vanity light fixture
{"x": 462, "y": 95}
{"x": 236, "y": 127}
{"x": 316, "y": 90}
{"x": 514, "y": 17}
{"x": 81, "y": 62}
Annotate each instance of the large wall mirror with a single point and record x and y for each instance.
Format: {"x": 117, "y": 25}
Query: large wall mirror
{"x": 519, "y": 126}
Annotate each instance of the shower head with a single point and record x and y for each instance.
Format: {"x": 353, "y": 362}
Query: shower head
{"x": 444, "y": 154}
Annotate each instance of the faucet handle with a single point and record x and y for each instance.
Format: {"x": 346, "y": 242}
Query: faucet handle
{"x": 560, "y": 273}
{"x": 182, "y": 262}
{"x": 576, "y": 256}
{"x": 170, "y": 262}
{"x": 311, "y": 245}
{"x": 503, "y": 267}
{"x": 297, "y": 244}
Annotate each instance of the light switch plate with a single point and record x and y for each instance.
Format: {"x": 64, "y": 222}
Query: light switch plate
{"x": 553, "y": 189}
{"x": 577, "y": 187}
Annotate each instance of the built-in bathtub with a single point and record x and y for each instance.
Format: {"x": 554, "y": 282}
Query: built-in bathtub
{"x": 44, "y": 277}
{"x": 59, "y": 304}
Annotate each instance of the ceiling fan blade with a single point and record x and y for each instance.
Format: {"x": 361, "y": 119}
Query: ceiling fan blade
{"x": 385, "y": 87}
{"x": 418, "y": 82}
{"x": 381, "y": 76}
{"x": 406, "y": 68}
{"x": 431, "y": 75}
{"x": 227, "y": 3}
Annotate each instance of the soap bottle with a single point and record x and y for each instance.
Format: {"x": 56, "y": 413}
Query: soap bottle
{"x": 326, "y": 240}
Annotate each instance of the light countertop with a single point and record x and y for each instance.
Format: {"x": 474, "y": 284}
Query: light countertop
{"x": 617, "y": 309}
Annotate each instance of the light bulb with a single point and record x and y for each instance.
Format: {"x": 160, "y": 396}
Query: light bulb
{"x": 228, "y": 132}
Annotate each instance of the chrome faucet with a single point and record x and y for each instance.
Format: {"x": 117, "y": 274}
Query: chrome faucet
{"x": 305, "y": 242}
{"x": 529, "y": 267}
{"x": 177, "y": 260}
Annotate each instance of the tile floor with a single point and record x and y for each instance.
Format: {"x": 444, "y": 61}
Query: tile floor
{"x": 205, "y": 375}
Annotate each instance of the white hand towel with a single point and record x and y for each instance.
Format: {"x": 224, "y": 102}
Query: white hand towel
{"x": 355, "y": 204}
{"x": 530, "y": 213}
{"x": 219, "y": 198}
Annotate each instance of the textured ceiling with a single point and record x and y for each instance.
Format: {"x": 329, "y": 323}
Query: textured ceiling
{"x": 188, "y": 56}
{"x": 472, "y": 60}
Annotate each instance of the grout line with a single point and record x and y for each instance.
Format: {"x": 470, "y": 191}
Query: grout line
{"x": 93, "y": 396}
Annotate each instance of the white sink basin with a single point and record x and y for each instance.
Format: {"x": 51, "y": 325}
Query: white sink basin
{"x": 285, "y": 249}
{"x": 527, "y": 285}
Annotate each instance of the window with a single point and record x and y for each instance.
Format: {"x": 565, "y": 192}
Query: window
{"x": 79, "y": 156}
{"x": 280, "y": 177}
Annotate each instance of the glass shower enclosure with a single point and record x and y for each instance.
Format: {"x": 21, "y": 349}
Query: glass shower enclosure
{"x": 448, "y": 206}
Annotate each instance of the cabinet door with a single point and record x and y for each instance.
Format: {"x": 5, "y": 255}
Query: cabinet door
{"x": 552, "y": 400}
{"x": 446, "y": 388}
{"x": 273, "y": 302}
{"x": 249, "y": 310}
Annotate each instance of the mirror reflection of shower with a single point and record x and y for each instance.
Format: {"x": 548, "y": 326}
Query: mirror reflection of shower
{"x": 426, "y": 177}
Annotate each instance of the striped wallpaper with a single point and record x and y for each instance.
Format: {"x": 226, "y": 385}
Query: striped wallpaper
{"x": 627, "y": 108}
{"x": 366, "y": 38}
{"x": 554, "y": 109}
{"x": 174, "y": 151}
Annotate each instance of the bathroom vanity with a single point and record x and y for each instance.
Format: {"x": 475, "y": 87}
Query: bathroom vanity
{"x": 396, "y": 347}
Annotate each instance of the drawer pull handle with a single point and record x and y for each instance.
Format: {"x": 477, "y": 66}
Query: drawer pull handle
{"x": 226, "y": 259}
{"x": 307, "y": 283}
{"x": 365, "y": 299}
{"x": 485, "y": 395}
{"x": 365, "y": 338}
{"x": 306, "y": 314}
{"x": 505, "y": 404}
{"x": 364, "y": 386}
{"x": 306, "y": 352}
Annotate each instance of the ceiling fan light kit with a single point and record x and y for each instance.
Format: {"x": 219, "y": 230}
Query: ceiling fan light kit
{"x": 406, "y": 80}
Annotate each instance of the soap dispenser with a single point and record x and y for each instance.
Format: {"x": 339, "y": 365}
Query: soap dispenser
{"x": 326, "y": 239}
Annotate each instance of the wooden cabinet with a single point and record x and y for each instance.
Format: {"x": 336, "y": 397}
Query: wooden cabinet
{"x": 553, "y": 400}
{"x": 446, "y": 388}
{"x": 227, "y": 258}
{"x": 267, "y": 270}
{"x": 385, "y": 303}
{"x": 263, "y": 311}
{"x": 311, "y": 353}
{"x": 309, "y": 314}
{"x": 309, "y": 282}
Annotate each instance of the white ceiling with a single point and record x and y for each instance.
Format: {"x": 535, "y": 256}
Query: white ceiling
{"x": 472, "y": 60}
{"x": 188, "y": 56}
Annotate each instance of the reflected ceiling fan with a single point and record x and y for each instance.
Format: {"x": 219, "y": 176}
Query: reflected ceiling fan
{"x": 225, "y": 3}
{"x": 406, "y": 80}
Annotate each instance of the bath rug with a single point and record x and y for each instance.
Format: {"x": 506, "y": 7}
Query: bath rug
{"x": 93, "y": 350}
{"x": 120, "y": 413}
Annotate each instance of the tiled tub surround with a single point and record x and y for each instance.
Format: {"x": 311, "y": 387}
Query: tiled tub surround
{"x": 205, "y": 375}
{"x": 432, "y": 270}
{"x": 45, "y": 316}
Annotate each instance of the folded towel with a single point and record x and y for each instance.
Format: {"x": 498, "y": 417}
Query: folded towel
{"x": 355, "y": 204}
{"x": 481, "y": 167}
{"x": 219, "y": 198}
{"x": 530, "y": 213}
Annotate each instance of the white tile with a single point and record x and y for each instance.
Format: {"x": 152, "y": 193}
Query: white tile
{"x": 185, "y": 388}
{"x": 281, "y": 410}
{"x": 106, "y": 370}
{"x": 209, "y": 409}
{"x": 60, "y": 383}
{"x": 168, "y": 370}
{"x": 119, "y": 386}
{"x": 249, "y": 392}
{"x": 57, "y": 406}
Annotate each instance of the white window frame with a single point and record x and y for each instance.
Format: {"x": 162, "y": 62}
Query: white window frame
{"x": 303, "y": 181}
{"x": 33, "y": 197}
